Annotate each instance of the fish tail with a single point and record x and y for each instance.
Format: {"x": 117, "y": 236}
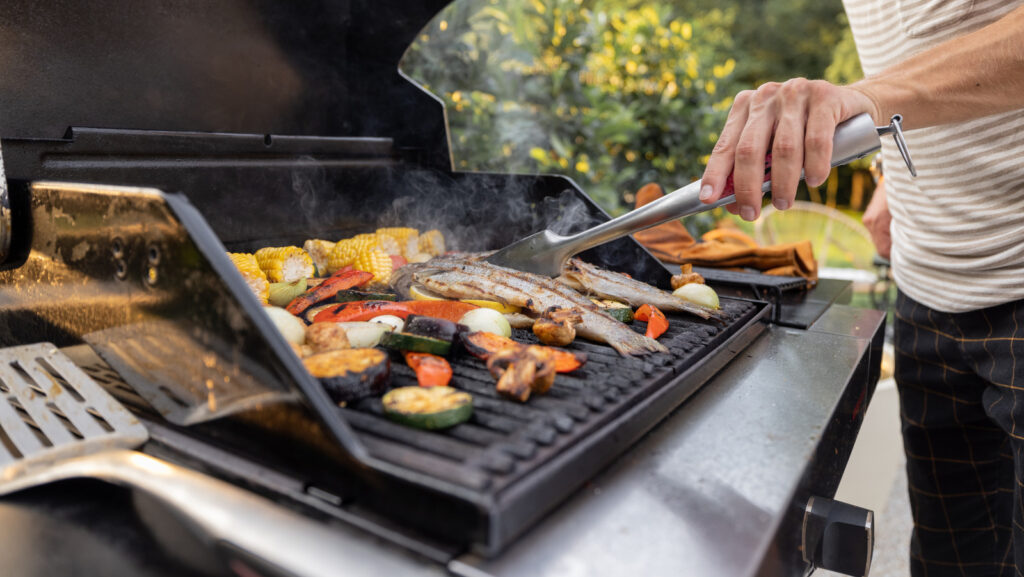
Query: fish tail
{"x": 638, "y": 345}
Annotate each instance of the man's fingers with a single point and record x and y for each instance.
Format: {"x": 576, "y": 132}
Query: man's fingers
{"x": 751, "y": 150}
{"x": 724, "y": 154}
{"x": 788, "y": 145}
{"x": 821, "y": 127}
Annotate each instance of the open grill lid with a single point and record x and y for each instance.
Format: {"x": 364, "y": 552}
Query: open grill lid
{"x": 324, "y": 68}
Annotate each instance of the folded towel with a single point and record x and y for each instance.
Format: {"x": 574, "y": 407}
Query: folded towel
{"x": 670, "y": 242}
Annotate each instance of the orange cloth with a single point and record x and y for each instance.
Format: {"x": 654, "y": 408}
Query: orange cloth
{"x": 670, "y": 242}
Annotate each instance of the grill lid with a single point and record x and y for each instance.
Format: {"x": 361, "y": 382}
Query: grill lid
{"x": 326, "y": 68}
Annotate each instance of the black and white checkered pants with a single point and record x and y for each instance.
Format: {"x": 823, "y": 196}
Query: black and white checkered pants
{"x": 961, "y": 384}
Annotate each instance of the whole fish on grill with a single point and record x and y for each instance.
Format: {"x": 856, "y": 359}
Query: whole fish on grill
{"x": 465, "y": 276}
{"x": 592, "y": 280}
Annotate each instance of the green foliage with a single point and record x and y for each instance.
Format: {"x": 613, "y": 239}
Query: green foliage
{"x": 613, "y": 93}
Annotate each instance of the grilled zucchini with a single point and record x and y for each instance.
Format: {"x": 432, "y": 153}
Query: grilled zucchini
{"x": 428, "y": 407}
{"x": 350, "y": 374}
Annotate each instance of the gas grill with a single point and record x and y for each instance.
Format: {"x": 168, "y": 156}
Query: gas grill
{"x": 213, "y": 128}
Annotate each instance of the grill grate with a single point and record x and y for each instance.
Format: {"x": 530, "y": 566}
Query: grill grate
{"x": 504, "y": 439}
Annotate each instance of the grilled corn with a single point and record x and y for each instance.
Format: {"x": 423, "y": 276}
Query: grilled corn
{"x": 285, "y": 264}
{"x": 377, "y": 262}
{"x": 431, "y": 242}
{"x": 319, "y": 250}
{"x": 407, "y": 239}
{"x": 253, "y": 275}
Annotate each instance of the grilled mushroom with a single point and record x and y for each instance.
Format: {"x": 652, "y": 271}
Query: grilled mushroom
{"x": 521, "y": 371}
{"x": 557, "y": 327}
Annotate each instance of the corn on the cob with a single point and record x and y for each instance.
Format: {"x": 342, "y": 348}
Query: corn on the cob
{"x": 431, "y": 242}
{"x": 319, "y": 251}
{"x": 285, "y": 263}
{"x": 253, "y": 275}
{"x": 407, "y": 238}
{"x": 377, "y": 262}
{"x": 345, "y": 251}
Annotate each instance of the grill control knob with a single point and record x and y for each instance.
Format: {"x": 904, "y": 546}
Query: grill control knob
{"x": 838, "y": 536}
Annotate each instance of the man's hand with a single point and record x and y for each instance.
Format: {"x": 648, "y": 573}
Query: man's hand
{"x": 877, "y": 220}
{"x": 795, "y": 122}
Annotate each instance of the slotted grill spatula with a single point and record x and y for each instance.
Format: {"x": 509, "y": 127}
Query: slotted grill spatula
{"x": 57, "y": 423}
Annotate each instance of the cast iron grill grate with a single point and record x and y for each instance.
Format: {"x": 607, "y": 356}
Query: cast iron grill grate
{"x": 504, "y": 439}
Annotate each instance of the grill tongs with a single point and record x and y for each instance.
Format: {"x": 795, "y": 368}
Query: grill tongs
{"x": 545, "y": 252}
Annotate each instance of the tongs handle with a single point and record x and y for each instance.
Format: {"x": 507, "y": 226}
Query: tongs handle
{"x": 853, "y": 139}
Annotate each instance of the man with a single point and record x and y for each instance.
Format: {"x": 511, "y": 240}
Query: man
{"x": 955, "y": 70}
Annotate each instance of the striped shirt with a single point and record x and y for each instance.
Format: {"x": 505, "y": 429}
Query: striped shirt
{"x": 958, "y": 228}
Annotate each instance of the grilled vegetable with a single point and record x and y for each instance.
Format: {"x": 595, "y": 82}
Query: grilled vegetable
{"x": 282, "y": 293}
{"x": 557, "y": 327}
{"x": 378, "y": 263}
{"x": 309, "y": 314}
{"x": 339, "y": 281}
{"x": 347, "y": 296}
{"x": 348, "y": 251}
{"x": 391, "y": 321}
{"x": 350, "y": 374}
{"x": 699, "y": 294}
{"x": 431, "y": 370}
{"x": 252, "y": 273}
{"x": 487, "y": 320}
{"x": 482, "y": 345}
{"x": 428, "y": 407}
{"x": 618, "y": 311}
{"x": 420, "y": 293}
{"x": 323, "y": 337}
{"x": 431, "y": 327}
{"x": 285, "y": 263}
{"x": 657, "y": 324}
{"x": 521, "y": 371}
{"x": 407, "y": 238}
{"x": 366, "y": 310}
{"x": 431, "y": 242}
{"x": 291, "y": 327}
{"x": 685, "y": 276}
{"x": 363, "y": 335}
{"x": 318, "y": 250}
{"x": 415, "y": 343}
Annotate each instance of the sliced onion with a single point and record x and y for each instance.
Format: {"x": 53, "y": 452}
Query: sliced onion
{"x": 364, "y": 335}
{"x": 698, "y": 294}
{"x": 488, "y": 321}
{"x": 293, "y": 329}
{"x": 396, "y": 323}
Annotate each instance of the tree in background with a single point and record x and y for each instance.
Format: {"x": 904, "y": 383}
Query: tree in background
{"x": 613, "y": 93}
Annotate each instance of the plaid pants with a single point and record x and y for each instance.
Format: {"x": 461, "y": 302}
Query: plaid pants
{"x": 961, "y": 384}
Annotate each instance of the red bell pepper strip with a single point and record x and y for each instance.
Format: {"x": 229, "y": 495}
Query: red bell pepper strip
{"x": 339, "y": 281}
{"x": 431, "y": 370}
{"x": 657, "y": 324}
{"x": 482, "y": 345}
{"x": 366, "y": 310}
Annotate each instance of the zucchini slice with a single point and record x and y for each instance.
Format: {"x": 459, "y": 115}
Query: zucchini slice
{"x": 350, "y": 374}
{"x": 428, "y": 407}
{"x": 347, "y": 296}
{"x": 618, "y": 311}
{"x": 416, "y": 343}
{"x": 309, "y": 314}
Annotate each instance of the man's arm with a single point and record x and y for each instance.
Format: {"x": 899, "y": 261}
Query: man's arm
{"x": 968, "y": 77}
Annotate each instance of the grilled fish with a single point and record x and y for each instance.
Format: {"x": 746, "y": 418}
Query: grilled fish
{"x": 465, "y": 276}
{"x": 591, "y": 280}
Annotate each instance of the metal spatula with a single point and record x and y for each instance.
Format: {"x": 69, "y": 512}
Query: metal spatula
{"x": 545, "y": 252}
{"x": 56, "y": 423}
